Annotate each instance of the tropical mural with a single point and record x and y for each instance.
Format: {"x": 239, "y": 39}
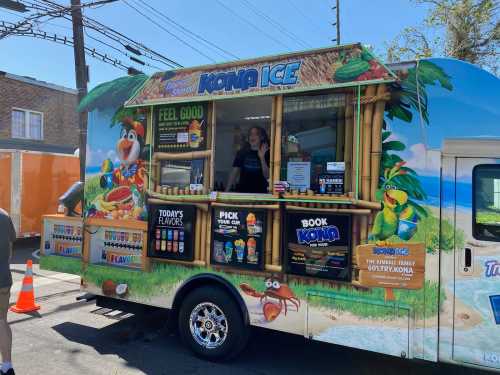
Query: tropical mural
{"x": 400, "y": 188}
{"x": 116, "y": 172}
{"x": 444, "y": 100}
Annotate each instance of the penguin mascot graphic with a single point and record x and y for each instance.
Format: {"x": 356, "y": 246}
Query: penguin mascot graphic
{"x": 129, "y": 147}
{"x": 132, "y": 170}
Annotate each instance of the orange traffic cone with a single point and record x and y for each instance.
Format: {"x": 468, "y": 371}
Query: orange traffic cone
{"x": 26, "y": 300}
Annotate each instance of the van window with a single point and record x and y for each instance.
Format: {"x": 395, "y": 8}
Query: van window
{"x": 486, "y": 202}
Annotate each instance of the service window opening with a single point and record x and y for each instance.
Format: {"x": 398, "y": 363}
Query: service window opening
{"x": 242, "y": 145}
{"x": 313, "y": 143}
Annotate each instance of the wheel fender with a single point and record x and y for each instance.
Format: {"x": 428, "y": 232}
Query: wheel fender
{"x": 204, "y": 279}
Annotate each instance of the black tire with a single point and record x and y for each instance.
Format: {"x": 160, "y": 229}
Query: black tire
{"x": 237, "y": 330}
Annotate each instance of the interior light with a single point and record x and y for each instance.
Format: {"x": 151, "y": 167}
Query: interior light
{"x": 248, "y": 118}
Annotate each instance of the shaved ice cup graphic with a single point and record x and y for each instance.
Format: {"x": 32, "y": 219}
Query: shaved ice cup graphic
{"x": 228, "y": 247}
{"x": 406, "y": 229}
{"x": 240, "y": 249}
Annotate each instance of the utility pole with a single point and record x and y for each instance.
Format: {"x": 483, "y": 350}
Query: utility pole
{"x": 337, "y": 21}
{"x": 81, "y": 78}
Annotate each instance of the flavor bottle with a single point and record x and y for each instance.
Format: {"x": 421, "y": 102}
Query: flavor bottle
{"x": 194, "y": 134}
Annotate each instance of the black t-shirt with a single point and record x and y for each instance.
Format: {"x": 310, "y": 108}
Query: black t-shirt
{"x": 7, "y": 236}
{"x": 252, "y": 179}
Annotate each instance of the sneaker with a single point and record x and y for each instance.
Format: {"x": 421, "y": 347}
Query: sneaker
{"x": 9, "y": 372}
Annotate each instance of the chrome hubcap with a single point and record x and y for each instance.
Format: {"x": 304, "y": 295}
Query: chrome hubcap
{"x": 208, "y": 325}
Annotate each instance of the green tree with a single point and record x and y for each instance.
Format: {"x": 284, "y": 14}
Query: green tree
{"x": 467, "y": 30}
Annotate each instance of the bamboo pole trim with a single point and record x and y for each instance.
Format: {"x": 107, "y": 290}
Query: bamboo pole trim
{"x": 203, "y": 207}
{"x": 182, "y": 155}
{"x": 376, "y": 151}
{"x": 203, "y": 224}
{"x": 275, "y": 257}
{"x": 367, "y": 145}
{"x": 263, "y": 206}
{"x": 272, "y": 268}
{"x": 368, "y": 99}
{"x": 180, "y": 198}
{"x": 194, "y": 263}
{"x": 355, "y": 211}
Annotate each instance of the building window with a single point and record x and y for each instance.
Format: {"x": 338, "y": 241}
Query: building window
{"x": 486, "y": 204}
{"x": 27, "y": 124}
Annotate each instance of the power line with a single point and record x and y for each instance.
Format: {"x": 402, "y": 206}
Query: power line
{"x": 111, "y": 34}
{"x": 168, "y": 31}
{"x": 65, "y": 41}
{"x": 252, "y": 25}
{"x": 187, "y": 31}
{"x": 125, "y": 41}
{"x": 305, "y": 15}
{"x": 118, "y": 50}
{"x": 12, "y": 13}
{"x": 276, "y": 24}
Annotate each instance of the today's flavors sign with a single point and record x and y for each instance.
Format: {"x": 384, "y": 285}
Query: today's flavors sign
{"x": 171, "y": 232}
{"x": 400, "y": 266}
{"x": 238, "y": 237}
{"x": 318, "y": 244}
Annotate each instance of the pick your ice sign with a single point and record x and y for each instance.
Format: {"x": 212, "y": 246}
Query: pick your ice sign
{"x": 244, "y": 79}
{"x": 228, "y": 218}
{"x": 316, "y": 231}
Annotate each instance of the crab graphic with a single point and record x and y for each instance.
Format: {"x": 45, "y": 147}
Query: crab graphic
{"x": 274, "y": 290}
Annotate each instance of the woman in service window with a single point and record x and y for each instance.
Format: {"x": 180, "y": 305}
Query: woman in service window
{"x": 251, "y": 164}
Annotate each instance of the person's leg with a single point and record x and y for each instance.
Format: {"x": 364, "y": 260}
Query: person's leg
{"x": 5, "y": 332}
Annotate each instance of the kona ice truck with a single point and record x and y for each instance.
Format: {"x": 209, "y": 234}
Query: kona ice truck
{"x": 377, "y": 222}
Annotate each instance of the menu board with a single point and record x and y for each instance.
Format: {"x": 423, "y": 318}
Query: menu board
{"x": 238, "y": 237}
{"x": 171, "y": 231}
{"x": 181, "y": 127}
{"x": 318, "y": 245}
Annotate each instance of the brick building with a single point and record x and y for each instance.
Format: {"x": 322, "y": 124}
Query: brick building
{"x": 37, "y": 116}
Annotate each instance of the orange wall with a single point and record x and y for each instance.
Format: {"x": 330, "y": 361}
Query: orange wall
{"x": 45, "y": 178}
{"x": 5, "y": 181}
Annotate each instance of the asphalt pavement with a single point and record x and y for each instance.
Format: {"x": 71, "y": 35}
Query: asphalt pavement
{"x": 75, "y": 337}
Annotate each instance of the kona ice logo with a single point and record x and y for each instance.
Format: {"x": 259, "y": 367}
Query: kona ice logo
{"x": 492, "y": 268}
{"x": 317, "y": 231}
{"x": 244, "y": 79}
{"x": 401, "y": 251}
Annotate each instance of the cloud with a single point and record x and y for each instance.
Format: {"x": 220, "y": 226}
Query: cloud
{"x": 425, "y": 161}
{"x": 113, "y": 156}
{"x": 397, "y": 137}
{"x": 95, "y": 157}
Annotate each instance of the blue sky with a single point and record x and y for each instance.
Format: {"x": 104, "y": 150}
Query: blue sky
{"x": 469, "y": 110}
{"x": 370, "y": 22}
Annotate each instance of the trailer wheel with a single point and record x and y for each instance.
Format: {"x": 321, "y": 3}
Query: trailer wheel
{"x": 211, "y": 324}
